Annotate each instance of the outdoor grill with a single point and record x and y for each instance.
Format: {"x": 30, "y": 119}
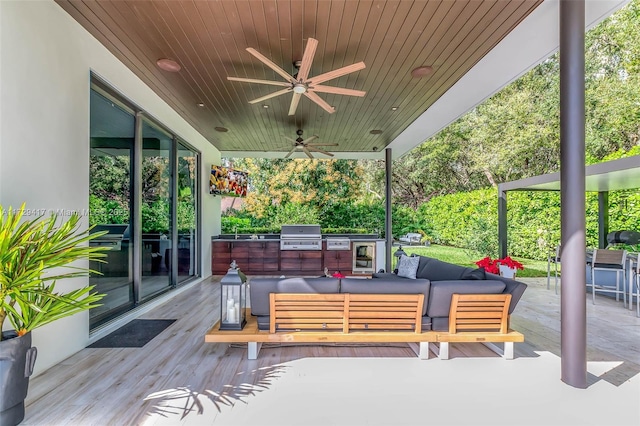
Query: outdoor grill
{"x": 116, "y": 233}
{"x": 623, "y": 237}
{"x": 300, "y": 237}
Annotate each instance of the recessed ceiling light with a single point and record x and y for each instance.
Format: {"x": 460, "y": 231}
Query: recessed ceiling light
{"x": 421, "y": 71}
{"x": 221, "y": 129}
{"x": 168, "y": 65}
{"x": 376, "y": 132}
{"x": 265, "y": 106}
{"x": 394, "y": 108}
{"x": 200, "y": 104}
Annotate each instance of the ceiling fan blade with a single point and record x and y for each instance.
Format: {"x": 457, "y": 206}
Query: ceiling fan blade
{"x": 253, "y": 80}
{"x": 294, "y": 103}
{"x": 289, "y": 139}
{"x": 306, "y": 151}
{"x": 337, "y": 90}
{"x": 290, "y": 152}
{"x": 322, "y": 144}
{"x": 320, "y": 150}
{"x": 270, "y": 95}
{"x": 317, "y": 99}
{"x": 309, "y": 139}
{"x": 307, "y": 58}
{"x": 336, "y": 73}
{"x": 270, "y": 64}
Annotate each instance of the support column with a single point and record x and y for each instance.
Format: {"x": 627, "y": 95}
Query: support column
{"x": 603, "y": 218}
{"x": 502, "y": 222}
{"x": 573, "y": 337}
{"x": 388, "y": 232}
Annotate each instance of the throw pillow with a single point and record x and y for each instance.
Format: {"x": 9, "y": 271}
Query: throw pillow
{"x": 408, "y": 266}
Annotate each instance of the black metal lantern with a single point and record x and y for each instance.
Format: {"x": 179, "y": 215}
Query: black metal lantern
{"x": 398, "y": 254}
{"x": 233, "y": 299}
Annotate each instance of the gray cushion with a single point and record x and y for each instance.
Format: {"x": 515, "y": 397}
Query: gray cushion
{"x": 408, "y": 266}
{"x": 294, "y": 285}
{"x": 259, "y": 289}
{"x": 441, "y": 292}
{"x": 473, "y": 274}
{"x": 437, "y": 270}
{"x": 382, "y": 286}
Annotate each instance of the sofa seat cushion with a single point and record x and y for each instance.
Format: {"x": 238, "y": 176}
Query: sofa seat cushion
{"x": 260, "y": 288}
{"x": 437, "y": 324}
{"x": 383, "y": 286}
{"x": 441, "y": 292}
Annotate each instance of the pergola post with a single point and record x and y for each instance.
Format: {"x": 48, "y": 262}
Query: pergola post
{"x": 502, "y": 222}
{"x": 387, "y": 211}
{"x": 573, "y": 337}
{"x": 603, "y": 218}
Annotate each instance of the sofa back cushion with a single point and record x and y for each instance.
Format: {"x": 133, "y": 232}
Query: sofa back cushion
{"x": 437, "y": 270}
{"x": 382, "y": 286}
{"x": 259, "y": 289}
{"x": 441, "y": 292}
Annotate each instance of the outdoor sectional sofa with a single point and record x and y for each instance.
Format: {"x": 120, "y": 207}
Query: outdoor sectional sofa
{"x": 441, "y": 304}
{"x": 435, "y": 279}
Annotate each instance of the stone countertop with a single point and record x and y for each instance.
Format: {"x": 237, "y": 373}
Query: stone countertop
{"x": 276, "y": 237}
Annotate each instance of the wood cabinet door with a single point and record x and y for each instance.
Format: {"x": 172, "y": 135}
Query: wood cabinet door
{"x": 220, "y": 257}
{"x": 311, "y": 260}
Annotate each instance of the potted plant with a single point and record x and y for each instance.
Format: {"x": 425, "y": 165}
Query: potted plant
{"x": 506, "y": 267}
{"x": 34, "y": 255}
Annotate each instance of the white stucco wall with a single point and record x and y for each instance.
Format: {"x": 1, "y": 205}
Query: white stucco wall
{"x": 46, "y": 58}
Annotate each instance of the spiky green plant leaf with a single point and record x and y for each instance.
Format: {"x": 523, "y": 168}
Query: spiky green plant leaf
{"x": 36, "y": 253}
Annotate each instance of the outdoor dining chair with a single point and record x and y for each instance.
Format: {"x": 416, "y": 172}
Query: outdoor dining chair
{"x": 555, "y": 259}
{"x": 634, "y": 278}
{"x": 612, "y": 261}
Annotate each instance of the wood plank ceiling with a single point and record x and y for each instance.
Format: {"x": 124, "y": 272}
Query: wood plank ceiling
{"x": 209, "y": 40}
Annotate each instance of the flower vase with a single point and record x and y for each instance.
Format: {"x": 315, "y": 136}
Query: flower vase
{"x": 507, "y": 272}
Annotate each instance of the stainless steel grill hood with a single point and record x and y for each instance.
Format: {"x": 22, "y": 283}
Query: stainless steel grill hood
{"x": 300, "y": 237}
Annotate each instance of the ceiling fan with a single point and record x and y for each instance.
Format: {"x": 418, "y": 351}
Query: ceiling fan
{"x": 306, "y": 146}
{"x": 300, "y": 83}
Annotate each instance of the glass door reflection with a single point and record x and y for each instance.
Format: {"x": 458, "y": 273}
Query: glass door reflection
{"x": 155, "y": 210}
{"x": 112, "y": 131}
{"x": 187, "y": 208}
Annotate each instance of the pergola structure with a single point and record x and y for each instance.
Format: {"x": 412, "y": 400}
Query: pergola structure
{"x": 615, "y": 175}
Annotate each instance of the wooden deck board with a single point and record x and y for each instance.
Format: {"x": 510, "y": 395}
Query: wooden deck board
{"x": 182, "y": 369}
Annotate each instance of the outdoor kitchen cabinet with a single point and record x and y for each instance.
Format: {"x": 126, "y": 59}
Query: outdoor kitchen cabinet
{"x": 257, "y": 257}
{"x": 301, "y": 261}
{"x": 220, "y": 257}
{"x": 263, "y": 257}
{"x": 337, "y": 260}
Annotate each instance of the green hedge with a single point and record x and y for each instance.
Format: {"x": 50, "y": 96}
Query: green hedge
{"x": 469, "y": 220}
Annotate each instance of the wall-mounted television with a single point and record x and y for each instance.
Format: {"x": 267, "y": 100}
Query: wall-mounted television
{"x": 228, "y": 182}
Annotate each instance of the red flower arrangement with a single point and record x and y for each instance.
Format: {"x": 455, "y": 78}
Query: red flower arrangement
{"x": 489, "y": 265}
{"x": 493, "y": 265}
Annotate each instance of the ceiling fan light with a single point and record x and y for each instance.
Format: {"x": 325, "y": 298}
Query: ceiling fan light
{"x": 299, "y": 88}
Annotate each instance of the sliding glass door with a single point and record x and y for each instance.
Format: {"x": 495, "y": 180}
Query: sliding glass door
{"x": 187, "y": 208}
{"x": 156, "y": 210}
{"x": 110, "y": 177}
{"x": 143, "y": 190}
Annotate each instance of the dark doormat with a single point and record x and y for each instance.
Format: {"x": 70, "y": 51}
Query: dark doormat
{"x": 134, "y": 334}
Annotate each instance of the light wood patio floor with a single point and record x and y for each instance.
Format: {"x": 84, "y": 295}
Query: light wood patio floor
{"x": 177, "y": 379}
